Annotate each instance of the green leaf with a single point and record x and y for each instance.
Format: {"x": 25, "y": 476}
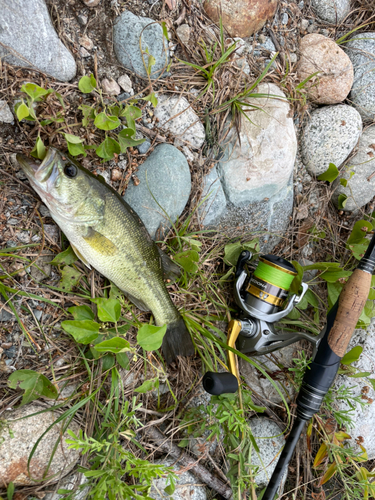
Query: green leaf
{"x": 76, "y": 149}
{"x": 123, "y": 360}
{"x": 105, "y": 122}
{"x": 233, "y": 250}
{"x": 360, "y": 374}
{"x": 34, "y": 384}
{"x": 372, "y": 382}
{"x": 22, "y": 111}
{"x": 39, "y": 151}
{"x": 88, "y": 114}
{"x": 296, "y": 283}
{"x": 83, "y": 331}
{"x": 131, "y": 113}
{"x": 169, "y": 490}
{"x": 126, "y": 141}
{"x": 81, "y": 312}
{"x": 66, "y": 257}
{"x": 10, "y": 491}
{"x": 148, "y": 385}
{"x": 352, "y": 355}
{"x": 34, "y": 91}
{"x": 322, "y": 266}
{"x": 187, "y": 260}
{"x": 87, "y": 84}
{"x": 165, "y": 30}
{"x": 74, "y": 139}
{"x": 150, "y": 337}
{"x": 329, "y": 175}
{"x": 108, "y": 148}
{"x": 333, "y": 276}
{"x": 341, "y": 201}
{"x": 359, "y": 231}
{"x": 115, "y": 345}
{"x": 334, "y": 290}
{"x": 108, "y": 361}
{"x": 152, "y": 98}
{"x": 69, "y": 279}
{"x": 108, "y": 309}
{"x": 344, "y": 182}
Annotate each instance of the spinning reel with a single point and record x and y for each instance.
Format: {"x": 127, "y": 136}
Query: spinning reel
{"x": 263, "y": 298}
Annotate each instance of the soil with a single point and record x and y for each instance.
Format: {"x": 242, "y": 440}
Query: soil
{"x": 26, "y": 226}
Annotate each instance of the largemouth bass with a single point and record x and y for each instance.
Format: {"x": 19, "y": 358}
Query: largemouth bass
{"x": 106, "y": 233}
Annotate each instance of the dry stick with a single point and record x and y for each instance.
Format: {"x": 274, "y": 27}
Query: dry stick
{"x": 198, "y": 470}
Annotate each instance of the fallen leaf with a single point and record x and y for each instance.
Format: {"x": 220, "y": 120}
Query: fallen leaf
{"x": 171, "y": 4}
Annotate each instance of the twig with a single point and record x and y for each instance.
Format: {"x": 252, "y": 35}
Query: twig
{"x": 198, "y": 470}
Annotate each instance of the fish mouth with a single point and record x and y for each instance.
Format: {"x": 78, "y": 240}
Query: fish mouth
{"x": 40, "y": 172}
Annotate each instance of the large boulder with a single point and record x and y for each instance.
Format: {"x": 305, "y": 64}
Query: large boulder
{"x": 28, "y": 39}
{"x": 241, "y": 17}
{"x": 359, "y": 175}
{"x": 18, "y": 436}
{"x": 163, "y": 189}
{"x": 329, "y": 137}
{"x": 361, "y": 50}
{"x": 128, "y": 30}
{"x": 322, "y": 55}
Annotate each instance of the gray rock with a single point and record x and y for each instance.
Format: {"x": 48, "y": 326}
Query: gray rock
{"x": 169, "y": 181}
{"x": 45, "y": 268}
{"x": 29, "y": 40}
{"x": 271, "y": 364}
{"x": 6, "y": 116}
{"x": 332, "y": 11}
{"x": 359, "y": 190}
{"x": 126, "y": 84}
{"x": 186, "y": 126}
{"x": 15, "y": 449}
{"x": 144, "y": 147}
{"x": 265, "y": 46}
{"x": 269, "y": 448}
{"x": 215, "y": 205}
{"x": 329, "y": 137}
{"x": 127, "y": 31}
{"x": 260, "y": 165}
{"x": 361, "y": 50}
{"x": 74, "y": 482}
{"x": 5, "y": 315}
{"x": 187, "y": 486}
{"x": 183, "y": 33}
{"x": 363, "y": 417}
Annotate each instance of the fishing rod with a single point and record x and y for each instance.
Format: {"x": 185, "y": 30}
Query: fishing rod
{"x": 254, "y": 333}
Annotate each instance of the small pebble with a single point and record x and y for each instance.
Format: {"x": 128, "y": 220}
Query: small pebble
{"x": 116, "y": 175}
{"x": 91, "y": 3}
{"x": 83, "y": 52}
{"x": 122, "y": 164}
{"x": 23, "y": 237}
{"x": 144, "y": 147}
{"x": 38, "y": 314}
{"x": 44, "y": 211}
{"x": 304, "y": 24}
{"x": 285, "y": 18}
{"x": 124, "y": 96}
{"x": 183, "y": 33}
{"x": 11, "y": 244}
{"x": 293, "y": 57}
{"x": 110, "y": 87}
{"x": 301, "y": 5}
{"x": 13, "y": 222}
{"x": 86, "y": 42}
{"x": 311, "y": 28}
{"x": 82, "y": 19}
{"x": 126, "y": 84}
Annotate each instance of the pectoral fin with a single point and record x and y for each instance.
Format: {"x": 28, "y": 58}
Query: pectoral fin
{"x": 80, "y": 256}
{"x": 100, "y": 243}
{"x": 171, "y": 270}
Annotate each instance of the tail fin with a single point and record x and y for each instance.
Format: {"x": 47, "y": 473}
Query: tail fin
{"x": 177, "y": 341}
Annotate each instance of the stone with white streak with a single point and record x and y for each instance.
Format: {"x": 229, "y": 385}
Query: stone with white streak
{"x": 261, "y": 165}
{"x": 177, "y": 116}
{"x": 28, "y": 39}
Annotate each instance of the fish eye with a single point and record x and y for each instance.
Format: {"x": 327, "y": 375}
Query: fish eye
{"x": 70, "y": 170}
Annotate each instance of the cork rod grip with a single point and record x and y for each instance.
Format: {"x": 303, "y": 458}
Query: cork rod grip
{"x": 351, "y": 303}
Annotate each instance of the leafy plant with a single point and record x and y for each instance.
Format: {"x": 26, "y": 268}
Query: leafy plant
{"x": 103, "y": 115}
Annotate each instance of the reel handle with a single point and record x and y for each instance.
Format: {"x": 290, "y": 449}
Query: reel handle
{"x": 219, "y": 383}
